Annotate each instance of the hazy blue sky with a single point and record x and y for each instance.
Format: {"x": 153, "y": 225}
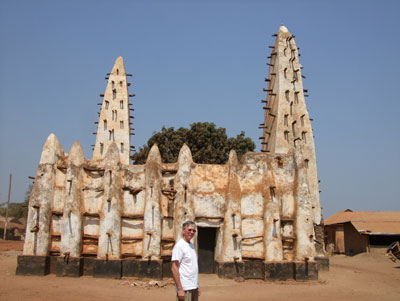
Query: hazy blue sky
{"x": 205, "y": 61}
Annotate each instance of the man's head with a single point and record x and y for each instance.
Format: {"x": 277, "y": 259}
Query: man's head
{"x": 188, "y": 230}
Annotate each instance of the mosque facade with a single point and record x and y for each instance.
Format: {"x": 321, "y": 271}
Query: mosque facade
{"x": 257, "y": 218}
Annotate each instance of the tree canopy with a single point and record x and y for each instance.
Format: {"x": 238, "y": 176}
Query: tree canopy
{"x": 207, "y": 143}
{"x": 17, "y": 210}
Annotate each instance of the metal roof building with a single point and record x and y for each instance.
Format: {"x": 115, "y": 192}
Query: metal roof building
{"x": 353, "y": 232}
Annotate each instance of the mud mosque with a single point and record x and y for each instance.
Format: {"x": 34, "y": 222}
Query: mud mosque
{"x": 259, "y": 218}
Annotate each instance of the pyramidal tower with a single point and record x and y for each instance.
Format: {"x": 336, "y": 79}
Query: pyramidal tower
{"x": 287, "y": 125}
{"x": 114, "y": 119}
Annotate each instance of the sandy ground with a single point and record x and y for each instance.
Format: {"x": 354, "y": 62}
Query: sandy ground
{"x": 361, "y": 277}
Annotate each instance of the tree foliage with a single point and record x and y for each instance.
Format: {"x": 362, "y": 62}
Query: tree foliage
{"x": 17, "y": 210}
{"x": 207, "y": 143}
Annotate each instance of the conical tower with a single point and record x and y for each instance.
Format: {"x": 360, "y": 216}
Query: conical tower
{"x": 287, "y": 124}
{"x": 114, "y": 118}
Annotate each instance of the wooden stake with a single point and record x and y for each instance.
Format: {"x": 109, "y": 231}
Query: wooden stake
{"x": 8, "y": 205}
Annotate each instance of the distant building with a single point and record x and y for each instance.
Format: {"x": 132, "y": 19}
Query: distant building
{"x": 15, "y": 229}
{"x": 352, "y": 232}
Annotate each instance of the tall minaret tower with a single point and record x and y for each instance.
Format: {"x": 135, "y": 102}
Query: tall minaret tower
{"x": 286, "y": 121}
{"x": 114, "y": 120}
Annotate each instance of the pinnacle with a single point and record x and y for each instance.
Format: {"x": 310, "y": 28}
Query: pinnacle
{"x": 119, "y": 60}
{"x": 119, "y": 65}
{"x": 114, "y": 119}
{"x": 283, "y": 28}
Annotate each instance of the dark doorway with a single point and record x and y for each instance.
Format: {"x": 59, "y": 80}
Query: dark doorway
{"x": 206, "y": 249}
{"x": 382, "y": 239}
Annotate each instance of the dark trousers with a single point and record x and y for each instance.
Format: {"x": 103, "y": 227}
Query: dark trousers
{"x": 191, "y": 295}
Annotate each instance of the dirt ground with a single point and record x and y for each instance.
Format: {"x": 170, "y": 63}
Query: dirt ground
{"x": 361, "y": 277}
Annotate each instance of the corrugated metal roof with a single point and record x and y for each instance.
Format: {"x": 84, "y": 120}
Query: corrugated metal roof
{"x": 369, "y": 222}
{"x": 377, "y": 228}
{"x": 344, "y": 216}
{"x": 379, "y": 216}
{"x": 385, "y": 222}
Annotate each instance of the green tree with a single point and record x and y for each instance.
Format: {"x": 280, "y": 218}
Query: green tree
{"x": 17, "y": 210}
{"x": 207, "y": 143}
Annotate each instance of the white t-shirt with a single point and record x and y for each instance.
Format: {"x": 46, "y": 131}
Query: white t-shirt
{"x": 185, "y": 254}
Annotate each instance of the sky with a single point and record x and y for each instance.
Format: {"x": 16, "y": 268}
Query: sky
{"x": 205, "y": 61}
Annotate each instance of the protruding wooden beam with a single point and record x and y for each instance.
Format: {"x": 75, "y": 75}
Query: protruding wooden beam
{"x": 91, "y": 214}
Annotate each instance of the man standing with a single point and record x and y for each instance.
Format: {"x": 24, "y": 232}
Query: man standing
{"x": 184, "y": 265}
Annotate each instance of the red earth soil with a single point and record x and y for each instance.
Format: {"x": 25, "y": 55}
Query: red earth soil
{"x": 361, "y": 277}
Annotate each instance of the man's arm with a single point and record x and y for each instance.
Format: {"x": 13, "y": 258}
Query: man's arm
{"x": 177, "y": 279}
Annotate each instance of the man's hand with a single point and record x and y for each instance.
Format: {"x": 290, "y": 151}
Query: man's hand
{"x": 177, "y": 279}
{"x": 198, "y": 291}
{"x": 181, "y": 295}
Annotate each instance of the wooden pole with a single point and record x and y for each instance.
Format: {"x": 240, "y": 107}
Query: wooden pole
{"x": 8, "y": 205}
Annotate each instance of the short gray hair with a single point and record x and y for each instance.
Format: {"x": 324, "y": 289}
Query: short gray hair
{"x": 188, "y": 223}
